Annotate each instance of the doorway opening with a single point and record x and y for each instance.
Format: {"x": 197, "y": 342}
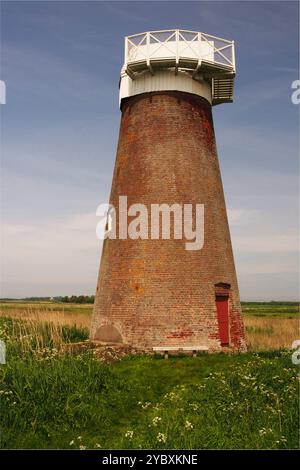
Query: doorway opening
{"x": 223, "y": 318}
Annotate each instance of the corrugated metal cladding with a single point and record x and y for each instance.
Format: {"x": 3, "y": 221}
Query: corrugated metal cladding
{"x": 161, "y": 81}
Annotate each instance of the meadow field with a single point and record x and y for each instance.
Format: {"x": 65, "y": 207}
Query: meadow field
{"x": 53, "y": 397}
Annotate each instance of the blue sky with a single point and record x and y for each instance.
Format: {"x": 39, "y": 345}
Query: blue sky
{"x": 61, "y": 64}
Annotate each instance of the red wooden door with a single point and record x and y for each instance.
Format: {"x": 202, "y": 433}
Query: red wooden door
{"x": 222, "y": 311}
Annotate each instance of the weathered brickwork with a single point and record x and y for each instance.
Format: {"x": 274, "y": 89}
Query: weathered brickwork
{"x": 155, "y": 292}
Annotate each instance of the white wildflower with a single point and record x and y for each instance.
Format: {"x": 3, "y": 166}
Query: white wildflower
{"x": 156, "y": 420}
{"x": 161, "y": 437}
{"x": 146, "y": 405}
{"x": 188, "y": 425}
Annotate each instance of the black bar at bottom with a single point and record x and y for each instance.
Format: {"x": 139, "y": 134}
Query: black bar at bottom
{"x": 137, "y": 458}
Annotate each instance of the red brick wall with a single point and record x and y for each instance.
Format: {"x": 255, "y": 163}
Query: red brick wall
{"x": 155, "y": 292}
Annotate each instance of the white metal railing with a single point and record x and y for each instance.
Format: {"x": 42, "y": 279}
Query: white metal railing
{"x": 179, "y": 45}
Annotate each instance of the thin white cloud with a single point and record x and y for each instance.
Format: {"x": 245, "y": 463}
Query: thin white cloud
{"x": 65, "y": 252}
{"x": 268, "y": 243}
{"x": 241, "y": 216}
{"x": 47, "y": 75}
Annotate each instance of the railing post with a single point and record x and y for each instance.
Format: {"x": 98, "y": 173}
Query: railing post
{"x": 233, "y": 55}
{"x": 148, "y": 53}
{"x": 126, "y": 52}
{"x": 148, "y": 45}
{"x": 177, "y": 50}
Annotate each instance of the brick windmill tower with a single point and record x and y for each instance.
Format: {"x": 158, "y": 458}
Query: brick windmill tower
{"x": 153, "y": 292}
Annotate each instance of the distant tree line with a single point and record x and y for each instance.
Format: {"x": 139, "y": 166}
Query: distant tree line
{"x": 25, "y": 299}
{"x": 76, "y": 299}
{"x": 73, "y": 299}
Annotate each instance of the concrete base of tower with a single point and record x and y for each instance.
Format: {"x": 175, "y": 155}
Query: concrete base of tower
{"x": 109, "y": 334}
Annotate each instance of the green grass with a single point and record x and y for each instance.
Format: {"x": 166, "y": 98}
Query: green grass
{"x": 260, "y": 331}
{"x": 46, "y": 306}
{"x": 213, "y": 401}
{"x": 272, "y": 309}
